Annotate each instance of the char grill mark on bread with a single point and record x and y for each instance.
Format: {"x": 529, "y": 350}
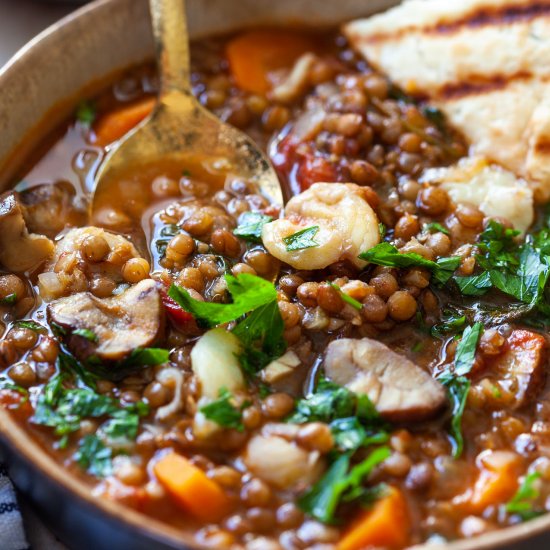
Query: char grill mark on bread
{"x": 484, "y": 63}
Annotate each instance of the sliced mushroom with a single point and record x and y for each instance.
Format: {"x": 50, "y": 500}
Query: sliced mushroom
{"x": 116, "y": 325}
{"x": 399, "y": 389}
{"x": 518, "y": 371}
{"x": 50, "y": 207}
{"x": 20, "y": 250}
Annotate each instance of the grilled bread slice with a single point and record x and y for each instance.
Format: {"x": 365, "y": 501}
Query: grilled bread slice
{"x": 484, "y": 63}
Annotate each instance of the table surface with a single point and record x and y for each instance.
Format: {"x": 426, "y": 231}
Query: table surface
{"x": 20, "y": 20}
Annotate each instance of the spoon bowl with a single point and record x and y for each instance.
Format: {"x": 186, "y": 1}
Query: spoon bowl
{"x": 180, "y": 130}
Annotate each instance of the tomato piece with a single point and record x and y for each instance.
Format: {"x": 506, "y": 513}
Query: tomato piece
{"x": 176, "y": 313}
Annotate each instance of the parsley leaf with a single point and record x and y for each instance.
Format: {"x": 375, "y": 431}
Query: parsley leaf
{"x": 451, "y": 323}
{"x": 466, "y": 349}
{"x": 86, "y": 113}
{"x": 522, "y": 503}
{"x": 302, "y": 239}
{"x": 458, "y": 385}
{"x": 340, "y": 483}
{"x": 94, "y": 456}
{"x": 249, "y": 292}
{"x": 434, "y": 227}
{"x": 90, "y": 335}
{"x": 388, "y": 255}
{"x": 457, "y": 389}
{"x": 9, "y": 300}
{"x": 223, "y": 412}
{"x": 474, "y": 285}
{"x": 31, "y": 325}
{"x": 145, "y": 357}
{"x": 353, "y": 419}
{"x": 261, "y": 334}
{"x": 348, "y": 299}
{"x": 251, "y": 225}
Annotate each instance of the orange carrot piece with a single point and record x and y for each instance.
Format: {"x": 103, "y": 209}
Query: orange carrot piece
{"x": 253, "y": 54}
{"x": 497, "y": 481}
{"x": 387, "y": 524}
{"x": 191, "y": 488}
{"x": 115, "y": 124}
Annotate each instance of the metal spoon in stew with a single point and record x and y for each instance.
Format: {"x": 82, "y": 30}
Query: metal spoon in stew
{"x": 180, "y": 129}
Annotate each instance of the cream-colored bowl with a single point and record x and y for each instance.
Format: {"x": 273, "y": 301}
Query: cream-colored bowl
{"x": 38, "y": 88}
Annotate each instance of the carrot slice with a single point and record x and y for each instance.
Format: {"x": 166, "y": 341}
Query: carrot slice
{"x": 115, "y": 124}
{"x": 497, "y": 481}
{"x": 191, "y": 488}
{"x": 386, "y": 524}
{"x": 253, "y": 54}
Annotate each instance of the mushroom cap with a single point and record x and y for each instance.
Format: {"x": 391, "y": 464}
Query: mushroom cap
{"x": 399, "y": 389}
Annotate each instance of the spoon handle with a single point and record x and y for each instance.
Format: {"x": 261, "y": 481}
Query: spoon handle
{"x": 171, "y": 45}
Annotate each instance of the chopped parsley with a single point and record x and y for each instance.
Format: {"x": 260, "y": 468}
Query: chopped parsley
{"x": 523, "y": 502}
{"x": 457, "y": 383}
{"x": 435, "y": 227}
{"x": 261, "y": 332}
{"x": 86, "y": 333}
{"x": 261, "y": 335}
{"x": 348, "y": 299}
{"x": 86, "y": 113}
{"x": 352, "y": 418}
{"x": 341, "y": 483}
{"x": 386, "y": 254}
{"x": 382, "y": 230}
{"x": 94, "y": 456}
{"x": 67, "y": 399}
{"x": 302, "y": 239}
{"x": 251, "y": 225}
{"x": 248, "y": 292}
{"x": 223, "y": 412}
{"x": 466, "y": 350}
{"x": 31, "y": 325}
{"x": 9, "y": 300}
{"x": 450, "y": 324}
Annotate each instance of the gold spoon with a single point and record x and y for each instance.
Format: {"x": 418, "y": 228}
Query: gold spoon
{"x": 180, "y": 129}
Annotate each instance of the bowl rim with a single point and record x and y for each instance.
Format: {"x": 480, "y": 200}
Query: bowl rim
{"x": 18, "y": 439}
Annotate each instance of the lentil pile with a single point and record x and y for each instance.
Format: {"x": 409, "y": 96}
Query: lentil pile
{"x": 349, "y": 373}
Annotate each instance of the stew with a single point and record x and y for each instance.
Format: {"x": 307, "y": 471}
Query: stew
{"x": 363, "y": 369}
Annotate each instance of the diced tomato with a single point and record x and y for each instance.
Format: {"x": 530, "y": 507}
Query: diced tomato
{"x": 313, "y": 170}
{"x": 176, "y": 313}
{"x": 16, "y": 402}
{"x": 301, "y": 170}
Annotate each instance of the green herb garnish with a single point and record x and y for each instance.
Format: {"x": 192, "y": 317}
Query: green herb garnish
{"x": 388, "y": 255}
{"x": 458, "y": 385}
{"x": 435, "y": 227}
{"x": 9, "y": 300}
{"x": 340, "y": 483}
{"x": 94, "y": 456}
{"x": 88, "y": 334}
{"x": 251, "y": 225}
{"x": 249, "y": 292}
{"x": 31, "y": 325}
{"x": 86, "y": 113}
{"x": 302, "y": 239}
{"x": 261, "y": 335}
{"x": 348, "y": 299}
{"x": 523, "y": 502}
{"x": 223, "y": 412}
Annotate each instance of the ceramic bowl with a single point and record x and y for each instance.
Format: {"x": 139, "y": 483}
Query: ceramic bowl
{"x": 40, "y": 86}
